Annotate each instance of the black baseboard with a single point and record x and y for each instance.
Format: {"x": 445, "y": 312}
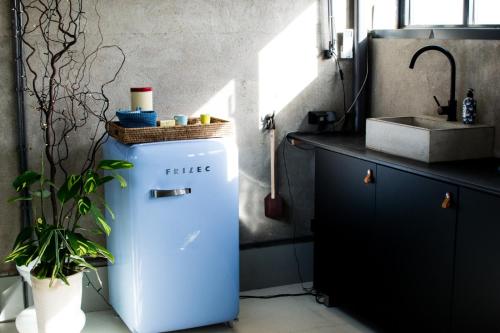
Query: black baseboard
{"x": 285, "y": 241}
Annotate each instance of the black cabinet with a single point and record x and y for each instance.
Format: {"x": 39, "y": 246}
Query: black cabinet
{"x": 413, "y": 241}
{"x": 345, "y": 207}
{"x": 408, "y": 252}
{"x": 384, "y": 244}
{"x": 477, "y": 280}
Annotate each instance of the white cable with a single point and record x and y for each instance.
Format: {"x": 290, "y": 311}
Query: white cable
{"x": 331, "y": 25}
{"x": 363, "y": 85}
{"x": 341, "y": 121}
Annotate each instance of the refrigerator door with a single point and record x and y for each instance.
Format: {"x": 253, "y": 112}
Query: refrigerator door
{"x": 183, "y": 211}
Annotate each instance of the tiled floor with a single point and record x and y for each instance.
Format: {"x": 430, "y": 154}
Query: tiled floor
{"x": 280, "y": 315}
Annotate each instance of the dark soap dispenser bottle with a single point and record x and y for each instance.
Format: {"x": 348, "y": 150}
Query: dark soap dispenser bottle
{"x": 469, "y": 112}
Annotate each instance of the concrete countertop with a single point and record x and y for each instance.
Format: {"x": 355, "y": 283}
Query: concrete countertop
{"x": 479, "y": 174}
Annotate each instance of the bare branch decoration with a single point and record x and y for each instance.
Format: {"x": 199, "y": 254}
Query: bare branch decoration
{"x": 59, "y": 76}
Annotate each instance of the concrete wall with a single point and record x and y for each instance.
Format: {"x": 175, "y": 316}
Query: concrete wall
{"x": 9, "y": 213}
{"x": 236, "y": 59}
{"x": 398, "y": 90}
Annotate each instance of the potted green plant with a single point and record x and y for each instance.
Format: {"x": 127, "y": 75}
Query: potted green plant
{"x": 66, "y": 88}
{"x": 57, "y": 246}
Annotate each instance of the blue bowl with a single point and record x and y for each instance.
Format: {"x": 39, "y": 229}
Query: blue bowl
{"x": 135, "y": 119}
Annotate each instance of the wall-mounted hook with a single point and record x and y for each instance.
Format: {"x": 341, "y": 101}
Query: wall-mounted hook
{"x": 268, "y": 122}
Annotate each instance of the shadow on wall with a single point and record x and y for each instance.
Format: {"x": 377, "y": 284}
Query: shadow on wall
{"x": 234, "y": 59}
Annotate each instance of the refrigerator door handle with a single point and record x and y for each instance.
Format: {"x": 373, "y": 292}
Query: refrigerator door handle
{"x": 170, "y": 193}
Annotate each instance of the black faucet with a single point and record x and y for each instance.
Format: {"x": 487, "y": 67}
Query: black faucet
{"x": 451, "y": 109}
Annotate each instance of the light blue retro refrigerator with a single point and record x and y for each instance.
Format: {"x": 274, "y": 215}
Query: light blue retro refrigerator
{"x": 175, "y": 234}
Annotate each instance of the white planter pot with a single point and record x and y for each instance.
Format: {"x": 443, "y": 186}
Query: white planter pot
{"x": 58, "y": 308}
{"x": 25, "y": 271}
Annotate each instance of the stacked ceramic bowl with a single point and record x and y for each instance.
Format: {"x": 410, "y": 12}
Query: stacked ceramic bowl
{"x": 134, "y": 119}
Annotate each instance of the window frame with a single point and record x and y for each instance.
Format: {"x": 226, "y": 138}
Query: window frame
{"x": 403, "y": 19}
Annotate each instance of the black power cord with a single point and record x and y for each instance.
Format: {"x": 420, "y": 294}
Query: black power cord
{"x": 341, "y": 121}
{"x": 294, "y": 237}
{"x": 341, "y": 74}
{"x": 97, "y": 290}
{"x": 274, "y": 296}
{"x": 331, "y": 53}
{"x": 319, "y": 298}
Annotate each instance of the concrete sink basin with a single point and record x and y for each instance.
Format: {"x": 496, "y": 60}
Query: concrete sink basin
{"x": 429, "y": 139}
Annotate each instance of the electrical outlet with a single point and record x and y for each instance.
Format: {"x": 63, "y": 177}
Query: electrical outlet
{"x": 321, "y": 117}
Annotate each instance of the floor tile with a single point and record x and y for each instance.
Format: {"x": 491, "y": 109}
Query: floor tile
{"x": 8, "y": 328}
{"x": 104, "y": 321}
{"x": 280, "y": 315}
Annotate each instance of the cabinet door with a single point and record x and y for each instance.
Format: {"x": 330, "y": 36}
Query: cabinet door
{"x": 414, "y": 253}
{"x": 344, "y": 209}
{"x": 477, "y": 270}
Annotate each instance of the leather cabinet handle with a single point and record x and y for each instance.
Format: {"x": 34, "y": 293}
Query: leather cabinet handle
{"x": 369, "y": 177}
{"x": 447, "y": 201}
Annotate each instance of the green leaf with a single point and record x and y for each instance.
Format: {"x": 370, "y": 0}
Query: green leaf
{"x": 111, "y": 213}
{"x": 64, "y": 279}
{"x": 40, "y": 193}
{"x": 106, "y": 206}
{"x": 70, "y": 188}
{"x": 19, "y": 251}
{"x": 40, "y": 226}
{"x": 23, "y": 236}
{"x": 79, "y": 227}
{"x": 103, "y": 252}
{"x": 82, "y": 262}
{"x": 84, "y": 205}
{"x": 96, "y": 231}
{"x": 20, "y": 198}
{"x": 103, "y": 180}
{"x": 90, "y": 183}
{"x": 57, "y": 263}
{"x": 100, "y": 220}
{"x": 77, "y": 247}
{"x": 65, "y": 241}
{"x": 51, "y": 184}
{"x": 45, "y": 241}
{"x": 83, "y": 247}
{"x": 27, "y": 256}
{"x": 25, "y": 180}
{"x": 123, "y": 182}
{"x": 40, "y": 271}
{"x": 114, "y": 165}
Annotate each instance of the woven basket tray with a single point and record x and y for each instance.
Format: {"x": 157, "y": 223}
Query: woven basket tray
{"x": 194, "y": 130}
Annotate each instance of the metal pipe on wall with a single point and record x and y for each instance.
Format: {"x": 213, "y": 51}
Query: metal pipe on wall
{"x": 17, "y": 46}
{"x": 360, "y": 73}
